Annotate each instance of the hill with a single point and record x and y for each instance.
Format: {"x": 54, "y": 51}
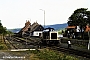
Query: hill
{"x": 16, "y": 30}
{"x": 55, "y": 26}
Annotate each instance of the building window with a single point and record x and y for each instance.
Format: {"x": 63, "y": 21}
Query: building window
{"x": 36, "y": 33}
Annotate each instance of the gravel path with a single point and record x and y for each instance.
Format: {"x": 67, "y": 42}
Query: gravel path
{"x": 8, "y": 55}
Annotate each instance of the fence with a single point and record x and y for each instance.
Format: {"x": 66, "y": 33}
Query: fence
{"x": 75, "y": 41}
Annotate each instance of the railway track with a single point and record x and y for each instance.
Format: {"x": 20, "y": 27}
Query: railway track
{"x": 14, "y": 42}
{"x": 23, "y": 43}
{"x": 71, "y": 51}
{"x": 8, "y": 41}
{"x": 34, "y": 41}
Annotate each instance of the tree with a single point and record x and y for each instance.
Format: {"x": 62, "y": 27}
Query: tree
{"x": 2, "y": 29}
{"x": 80, "y": 17}
{"x": 88, "y": 17}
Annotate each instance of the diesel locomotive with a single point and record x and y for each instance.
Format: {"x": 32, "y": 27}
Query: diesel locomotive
{"x": 50, "y": 37}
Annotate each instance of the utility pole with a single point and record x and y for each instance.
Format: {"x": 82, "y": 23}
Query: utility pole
{"x": 44, "y": 16}
{"x": 0, "y": 21}
{"x": 89, "y": 37}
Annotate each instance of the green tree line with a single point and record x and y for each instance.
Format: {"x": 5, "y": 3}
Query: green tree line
{"x": 3, "y": 30}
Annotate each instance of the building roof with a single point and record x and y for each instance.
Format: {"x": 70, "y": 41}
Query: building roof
{"x": 70, "y": 27}
{"x": 87, "y": 29}
{"x": 27, "y": 25}
{"x": 35, "y": 26}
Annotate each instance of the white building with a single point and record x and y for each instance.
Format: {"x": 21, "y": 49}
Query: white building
{"x": 37, "y": 33}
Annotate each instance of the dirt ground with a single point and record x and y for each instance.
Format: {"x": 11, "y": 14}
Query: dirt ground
{"x": 18, "y": 55}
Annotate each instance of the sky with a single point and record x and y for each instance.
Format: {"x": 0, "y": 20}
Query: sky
{"x": 14, "y": 13}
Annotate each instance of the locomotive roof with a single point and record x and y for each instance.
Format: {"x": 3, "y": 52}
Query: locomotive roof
{"x": 49, "y": 28}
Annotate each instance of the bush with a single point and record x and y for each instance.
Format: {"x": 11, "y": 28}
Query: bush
{"x": 47, "y": 54}
{"x": 3, "y": 47}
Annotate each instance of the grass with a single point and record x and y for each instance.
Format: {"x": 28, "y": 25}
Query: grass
{"x": 60, "y": 31}
{"x": 82, "y": 46}
{"x": 3, "y": 46}
{"x": 44, "y": 54}
{"x": 47, "y": 54}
